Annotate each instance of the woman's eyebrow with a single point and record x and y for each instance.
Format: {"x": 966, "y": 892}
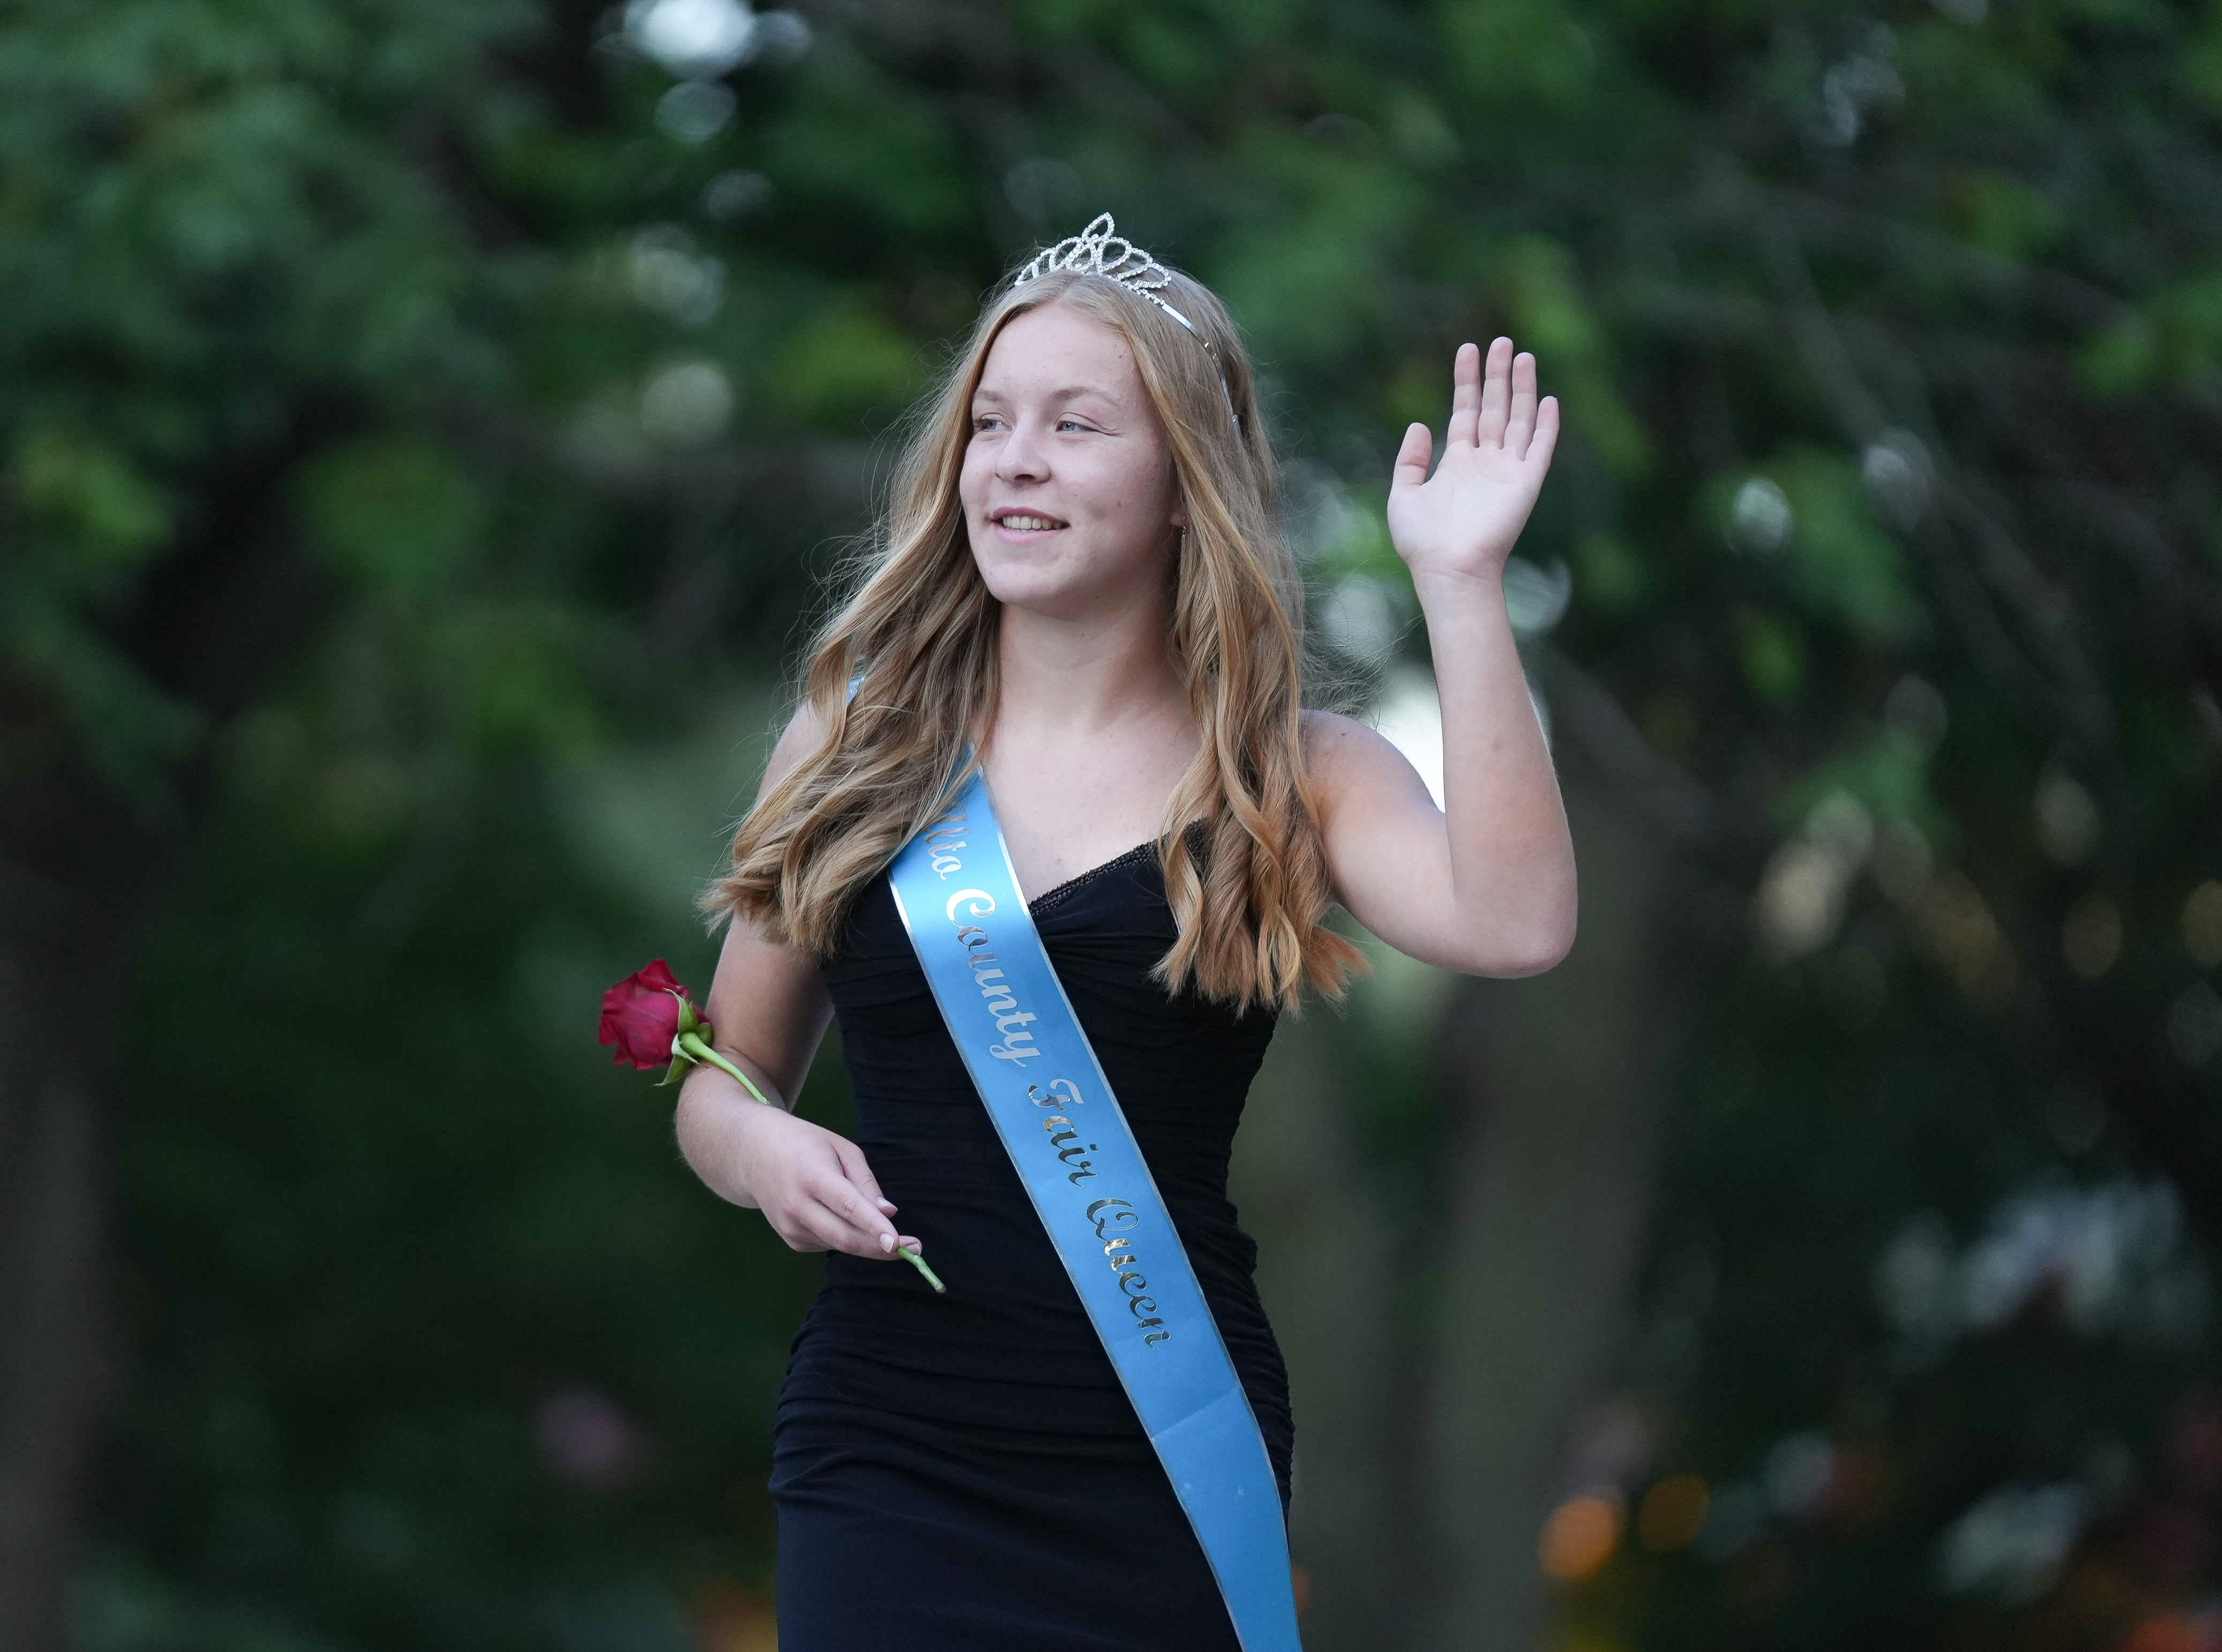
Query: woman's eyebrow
{"x": 1070, "y": 391}
{"x": 1065, "y": 393}
{"x": 1091, "y": 402}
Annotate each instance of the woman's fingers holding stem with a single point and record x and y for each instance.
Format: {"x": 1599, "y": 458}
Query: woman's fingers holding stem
{"x": 845, "y": 1210}
{"x": 869, "y": 1233}
{"x": 906, "y": 1247}
{"x": 853, "y": 1166}
{"x": 866, "y": 1186}
{"x": 846, "y": 1223}
{"x": 870, "y": 1230}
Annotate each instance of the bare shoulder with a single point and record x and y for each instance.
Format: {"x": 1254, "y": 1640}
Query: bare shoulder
{"x": 1356, "y": 770}
{"x": 804, "y": 733}
{"x": 1329, "y": 736}
{"x": 1343, "y": 755}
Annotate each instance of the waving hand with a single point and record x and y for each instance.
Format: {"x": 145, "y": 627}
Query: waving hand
{"x": 1461, "y": 522}
{"x": 1485, "y": 883}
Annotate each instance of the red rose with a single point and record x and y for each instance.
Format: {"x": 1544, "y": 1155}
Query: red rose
{"x": 641, "y": 1015}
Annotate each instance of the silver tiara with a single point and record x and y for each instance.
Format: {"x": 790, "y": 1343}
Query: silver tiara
{"x": 1092, "y": 250}
{"x": 1096, "y": 251}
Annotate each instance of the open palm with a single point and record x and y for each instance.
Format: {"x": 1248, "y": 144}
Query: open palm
{"x": 1461, "y": 522}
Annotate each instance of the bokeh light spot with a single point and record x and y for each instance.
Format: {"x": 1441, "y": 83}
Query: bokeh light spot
{"x": 1674, "y": 1513}
{"x": 2171, "y": 1632}
{"x": 1580, "y": 1536}
{"x": 2091, "y": 939}
{"x": 2067, "y": 819}
{"x": 2202, "y": 924}
{"x": 686, "y": 404}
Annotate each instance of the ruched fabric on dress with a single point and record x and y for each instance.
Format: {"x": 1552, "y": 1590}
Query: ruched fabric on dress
{"x": 965, "y": 1471}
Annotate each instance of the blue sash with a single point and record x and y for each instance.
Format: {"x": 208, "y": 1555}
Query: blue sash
{"x": 1060, "y": 1121}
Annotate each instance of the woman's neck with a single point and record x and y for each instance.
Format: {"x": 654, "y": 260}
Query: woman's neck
{"x": 1074, "y": 679}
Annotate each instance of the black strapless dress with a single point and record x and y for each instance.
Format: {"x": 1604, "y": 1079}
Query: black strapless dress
{"x": 965, "y": 1472}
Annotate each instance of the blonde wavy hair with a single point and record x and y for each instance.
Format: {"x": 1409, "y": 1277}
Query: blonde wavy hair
{"x": 918, "y": 630}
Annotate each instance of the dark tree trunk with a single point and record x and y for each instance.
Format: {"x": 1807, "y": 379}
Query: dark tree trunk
{"x": 1448, "y": 1311}
{"x": 81, "y": 868}
{"x": 76, "y": 876}
{"x": 1554, "y": 1089}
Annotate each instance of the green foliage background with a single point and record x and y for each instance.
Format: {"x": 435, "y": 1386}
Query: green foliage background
{"x": 420, "y": 445}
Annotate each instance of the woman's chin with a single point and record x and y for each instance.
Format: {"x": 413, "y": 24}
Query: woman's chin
{"x": 1020, "y": 580}
{"x": 1052, "y": 599}
{"x": 1055, "y": 587}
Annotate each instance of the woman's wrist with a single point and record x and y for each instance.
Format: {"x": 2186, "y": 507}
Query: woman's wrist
{"x": 1466, "y": 617}
{"x": 749, "y": 1119}
{"x": 1440, "y": 589}
{"x": 717, "y": 1123}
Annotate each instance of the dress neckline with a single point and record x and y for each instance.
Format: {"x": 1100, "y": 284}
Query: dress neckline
{"x": 1058, "y": 893}
{"x": 1141, "y": 851}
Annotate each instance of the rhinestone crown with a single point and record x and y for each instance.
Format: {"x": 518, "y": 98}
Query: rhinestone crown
{"x": 1098, "y": 251}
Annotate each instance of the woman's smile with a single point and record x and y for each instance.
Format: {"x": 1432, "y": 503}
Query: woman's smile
{"x": 1016, "y": 526}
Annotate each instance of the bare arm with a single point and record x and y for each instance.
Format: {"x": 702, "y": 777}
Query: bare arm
{"x": 767, "y": 1009}
{"x": 1485, "y": 885}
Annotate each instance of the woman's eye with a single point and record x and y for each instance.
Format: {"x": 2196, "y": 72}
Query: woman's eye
{"x": 1075, "y": 423}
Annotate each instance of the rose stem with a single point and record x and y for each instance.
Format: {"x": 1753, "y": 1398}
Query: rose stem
{"x": 690, "y": 1043}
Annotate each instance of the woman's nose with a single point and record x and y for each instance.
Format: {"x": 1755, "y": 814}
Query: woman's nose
{"x": 1020, "y": 457}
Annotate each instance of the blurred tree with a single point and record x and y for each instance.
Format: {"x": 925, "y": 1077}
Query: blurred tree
{"x": 211, "y": 276}
{"x": 342, "y": 380}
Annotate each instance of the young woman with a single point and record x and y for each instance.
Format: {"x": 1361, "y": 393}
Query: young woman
{"x": 1078, "y": 580}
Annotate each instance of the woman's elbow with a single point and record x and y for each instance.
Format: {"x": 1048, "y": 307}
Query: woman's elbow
{"x": 1529, "y": 950}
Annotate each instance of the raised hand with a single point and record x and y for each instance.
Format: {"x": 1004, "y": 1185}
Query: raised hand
{"x": 1460, "y": 523}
